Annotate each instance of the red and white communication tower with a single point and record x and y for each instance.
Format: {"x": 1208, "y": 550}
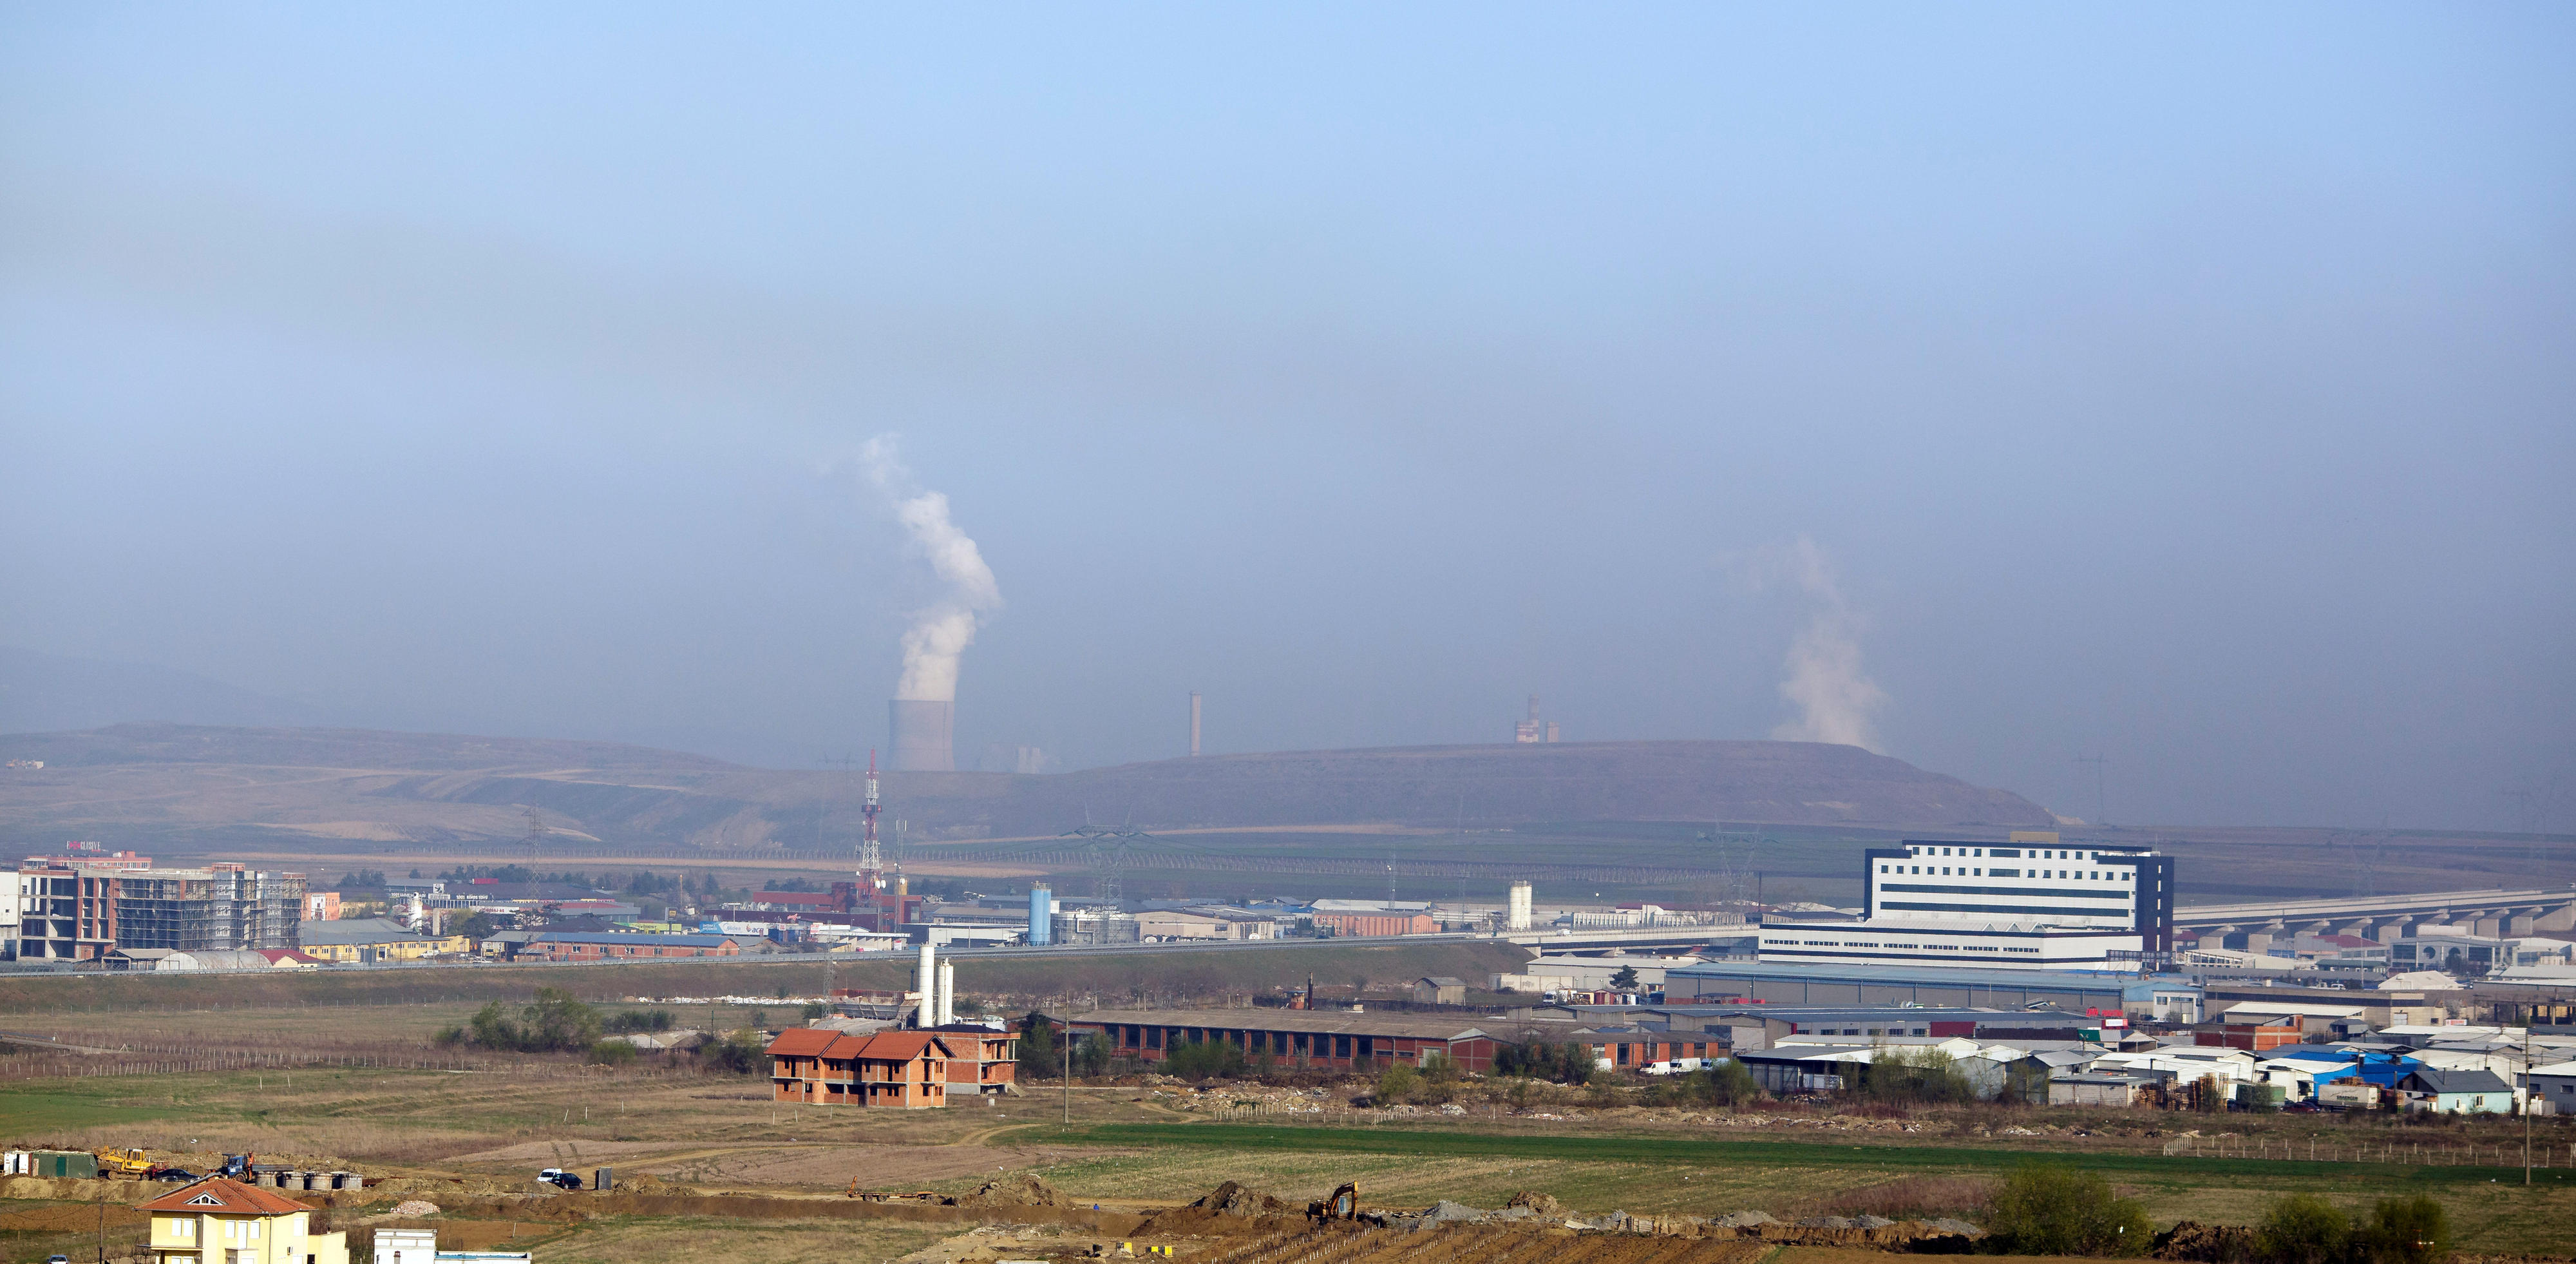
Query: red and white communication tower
{"x": 871, "y": 858}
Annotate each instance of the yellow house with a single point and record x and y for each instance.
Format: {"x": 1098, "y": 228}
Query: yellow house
{"x": 219, "y": 1221}
{"x": 376, "y": 939}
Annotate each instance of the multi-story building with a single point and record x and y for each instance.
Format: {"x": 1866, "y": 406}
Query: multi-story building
{"x": 908, "y": 1069}
{"x": 220, "y": 907}
{"x": 2047, "y": 906}
{"x": 83, "y": 906}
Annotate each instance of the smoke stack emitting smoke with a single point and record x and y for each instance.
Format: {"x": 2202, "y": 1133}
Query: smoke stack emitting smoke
{"x": 924, "y": 709}
{"x": 1835, "y": 698}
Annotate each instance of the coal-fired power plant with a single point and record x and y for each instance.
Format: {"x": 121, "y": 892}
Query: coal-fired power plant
{"x": 924, "y": 733}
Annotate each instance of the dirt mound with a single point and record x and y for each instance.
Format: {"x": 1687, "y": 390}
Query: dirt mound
{"x": 1228, "y": 1208}
{"x": 1537, "y": 1203}
{"x": 2209, "y": 1244}
{"x": 1237, "y": 1199}
{"x": 414, "y": 1207}
{"x": 1023, "y": 1190}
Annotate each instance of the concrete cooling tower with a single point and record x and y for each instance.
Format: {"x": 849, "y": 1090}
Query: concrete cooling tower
{"x": 924, "y": 735}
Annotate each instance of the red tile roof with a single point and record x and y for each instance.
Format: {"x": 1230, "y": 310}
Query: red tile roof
{"x": 802, "y": 1042}
{"x": 227, "y": 1196}
{"x": 890, "y": 1046}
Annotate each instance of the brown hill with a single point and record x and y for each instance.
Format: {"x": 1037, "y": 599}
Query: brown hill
{"x": 176, "y": 785}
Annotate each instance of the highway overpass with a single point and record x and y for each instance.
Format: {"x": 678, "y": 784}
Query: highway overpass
{"x": 2388, "y": 917}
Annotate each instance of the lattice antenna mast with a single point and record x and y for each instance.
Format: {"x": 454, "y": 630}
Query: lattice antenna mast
{"x": 2099, "y": 811}
{"x": 871, "y": 856}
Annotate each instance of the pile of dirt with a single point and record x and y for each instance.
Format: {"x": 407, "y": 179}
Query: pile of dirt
{"x": 1024, "y": 1190}
{"x": 2209, "y": 1244}
{"x": 1235, "y": 1198}
{"x": 1227, "y": 1209}
{"x": 414, "y": 1207}
{"x": 1537, "y": 1203}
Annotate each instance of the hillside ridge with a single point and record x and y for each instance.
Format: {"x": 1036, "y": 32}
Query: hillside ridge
{"x": 202, "y": 783}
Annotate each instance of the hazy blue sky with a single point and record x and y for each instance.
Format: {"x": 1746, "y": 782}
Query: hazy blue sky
{"x": 2190, "y": 387}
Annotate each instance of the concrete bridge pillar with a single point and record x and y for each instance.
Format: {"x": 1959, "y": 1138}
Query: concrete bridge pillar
{"x": 2487, "y": 922}
{"x": 2518, "y": 920}
{"x": 2358, "y": 928}
{"x": 2561, "y": 918}
{"x": 2394, "y": 929}
{"x": 2259, "y": 939}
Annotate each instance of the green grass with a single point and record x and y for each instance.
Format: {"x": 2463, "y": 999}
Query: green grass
{"x": 53, "y": 1105}
{"x": 1709, "y": 1152}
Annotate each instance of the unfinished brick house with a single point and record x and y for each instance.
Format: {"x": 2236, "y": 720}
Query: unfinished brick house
{"x": 908, "y": 1069}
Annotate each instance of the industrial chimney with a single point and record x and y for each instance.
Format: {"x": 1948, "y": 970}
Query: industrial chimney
{"x": 924, "y": 735}
{"x": 1194, "y": 722}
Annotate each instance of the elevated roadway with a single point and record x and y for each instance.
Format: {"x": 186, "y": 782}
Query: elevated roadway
{"x": 2389, "y": 917}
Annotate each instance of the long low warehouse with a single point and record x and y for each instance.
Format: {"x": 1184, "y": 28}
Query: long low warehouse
{"x": 1316, "y": 1037}
{"x": 1938, "y": 986}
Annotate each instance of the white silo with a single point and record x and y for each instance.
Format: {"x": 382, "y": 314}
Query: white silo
{"x": 1519, "y": 918}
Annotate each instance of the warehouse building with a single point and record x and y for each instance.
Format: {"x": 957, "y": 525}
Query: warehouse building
{"x": 1296, "y": 1037}
{"x": 613, "y": 946}
{"x": 1864, "y": 986}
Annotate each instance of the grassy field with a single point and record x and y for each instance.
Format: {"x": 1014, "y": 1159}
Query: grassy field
{"x": 476, "y": 1133}
{"x": 1113, "y": 978}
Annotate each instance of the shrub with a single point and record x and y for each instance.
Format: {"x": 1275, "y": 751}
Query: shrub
{"x": 1091, "y": 1055}
{"x": 1920, "y": 1074}
{"x": 1203, "y": 1060}
{"x": 1724, "y": 1084}
{"x": 1399, "y": 1082}
{"x": 738, "y": 1054}
{"x": 2402, "y": 1231}
{"x": 639, "y": 1020}
{"x": 2043, "y": 1210}
{"x": 612, "y": 1052}
{"x": 814, "y": 1010}
{"x": 2303, "y": 1229}
{"x": 553, "y": 1021}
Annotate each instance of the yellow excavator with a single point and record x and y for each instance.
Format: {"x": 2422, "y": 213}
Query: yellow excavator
{"x": 132, "y": 1163}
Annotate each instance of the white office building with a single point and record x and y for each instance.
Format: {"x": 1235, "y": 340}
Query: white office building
{"x": 2035, "y": 904}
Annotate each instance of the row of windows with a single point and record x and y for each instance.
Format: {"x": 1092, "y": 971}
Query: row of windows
{"x": 2079, "y": 875}
{"x": 2003, "y": 851}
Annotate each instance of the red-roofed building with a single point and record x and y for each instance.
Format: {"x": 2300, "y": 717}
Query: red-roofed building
{"x": 220, "y": 1221}
{"x": 890, "y": 1068}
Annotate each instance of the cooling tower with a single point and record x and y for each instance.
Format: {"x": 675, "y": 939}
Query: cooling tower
{"x": 924, "y": 735}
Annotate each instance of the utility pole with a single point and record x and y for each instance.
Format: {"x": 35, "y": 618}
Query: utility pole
{"x": 1068, "y": 1073}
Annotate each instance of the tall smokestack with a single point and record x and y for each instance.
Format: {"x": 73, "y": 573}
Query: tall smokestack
{"x": 1194, "y": 722}
{"x": 924, "y": 735}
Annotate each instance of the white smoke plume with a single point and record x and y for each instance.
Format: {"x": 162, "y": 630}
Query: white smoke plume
{"x": 942, "y": 630}
{"x": 1835, "y": 698}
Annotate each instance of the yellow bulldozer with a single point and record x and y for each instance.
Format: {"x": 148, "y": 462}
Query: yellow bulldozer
{"x": 133, "y": 1163}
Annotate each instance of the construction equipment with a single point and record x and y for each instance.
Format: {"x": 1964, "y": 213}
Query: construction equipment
{"x": 237, "y": 1165}
{"x": 130, "y": 1163}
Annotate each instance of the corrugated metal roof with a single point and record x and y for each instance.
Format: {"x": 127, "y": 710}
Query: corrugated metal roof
{"x": 1328, "y": 1022}
{"x": 607, "y": 937}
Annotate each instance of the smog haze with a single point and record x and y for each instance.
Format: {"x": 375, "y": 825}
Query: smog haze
{"x": 1996, "y": 388}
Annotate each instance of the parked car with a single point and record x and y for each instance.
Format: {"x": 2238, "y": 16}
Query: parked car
{"x": 560, "y": 1178}
{"x": 174, "y": 1174}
